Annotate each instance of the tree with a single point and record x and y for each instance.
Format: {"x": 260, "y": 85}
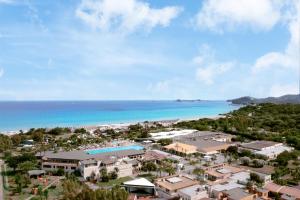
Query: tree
{"x": 80, "y": 130}
{"x": 246, "y": 153}
{"x": 16, "y": 139}
{"x": 245, "y": 161}
{"x": 46, "y": 194}
{"x": 170, "y": 170}
{"x": 113, "y": 175}
{"x": 254, "y": 177}
{"x": 40, "y": 191}
{"x": 38, "y": 136}
{"x": 26, "y": 166}
{"x": 104, "y": 175}
{"x": 149, "y": 166}
{"x": 5, "y": 143}
{"x": 198, "y": 171}
{"x": 258, "y": 163}
{"x": 60, "y": 172}
{"x": 70, "y": 189}
{"x": 12, "y": 162}
{"x": 164, "y": 142}
{"x": 232, "y": 150}
{"x": 283, "y": 158}
{"x": 20, "y": 181}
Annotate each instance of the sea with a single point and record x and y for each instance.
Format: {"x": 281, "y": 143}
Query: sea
{"x": 23, "y": 115}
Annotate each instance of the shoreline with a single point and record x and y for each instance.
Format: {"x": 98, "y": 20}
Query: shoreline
{"x": 117, "y": 125}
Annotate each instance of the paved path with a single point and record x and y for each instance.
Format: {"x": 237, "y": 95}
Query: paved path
{"x": 1, "y": 181}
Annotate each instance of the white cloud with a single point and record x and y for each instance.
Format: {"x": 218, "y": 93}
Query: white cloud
{"x": 279, "y": 90}
{"x": 208, "y": 67}
{"x": 1, "y": 72}
{"x": 125, "y": 15}
{"x": 289, "y": 58}
{"x": 219, "y": 15}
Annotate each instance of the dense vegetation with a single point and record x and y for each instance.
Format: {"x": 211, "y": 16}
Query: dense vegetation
{"x": 261, "y": 122}
{"x": 73, "y": 190}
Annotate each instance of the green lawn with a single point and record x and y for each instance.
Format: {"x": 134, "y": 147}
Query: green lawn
{"x": 114, "y": 182}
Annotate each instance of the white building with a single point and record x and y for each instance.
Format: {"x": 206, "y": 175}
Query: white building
{"x": 141, "y": 186}
{"x": 91, "y": 168}
{"x": 266, "y": 148}
{"x": 194, "y": 192}
{"x": 171, "y": 134}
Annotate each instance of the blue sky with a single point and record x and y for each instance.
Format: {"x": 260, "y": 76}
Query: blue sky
{"x": 134, "y": 49}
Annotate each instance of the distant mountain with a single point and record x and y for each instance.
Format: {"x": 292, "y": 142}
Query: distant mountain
{"x": 293, "y": 99}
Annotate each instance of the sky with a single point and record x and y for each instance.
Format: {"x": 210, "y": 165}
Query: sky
{"x": 148, "y": 49}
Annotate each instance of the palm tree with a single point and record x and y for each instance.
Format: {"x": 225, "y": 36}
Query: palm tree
{"x": 46, "y": 194}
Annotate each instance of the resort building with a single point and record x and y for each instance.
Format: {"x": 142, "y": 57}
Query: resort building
{"x": 155, "y": 156}
{"x": 91, "y": 168}
{"x": 172, "y": 184}
{"x": 269, "y": 149}
{"x": 88, "y": 161}
{"x": 205, "y": 146}
{"x": 195, "y": 192}
{"x": 209, "y": 135}
{"x": 171, "y": 134}
{"x": 181, "y": 148}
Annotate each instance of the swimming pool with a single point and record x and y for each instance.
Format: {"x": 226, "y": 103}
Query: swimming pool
{"x": 112, "y": 149}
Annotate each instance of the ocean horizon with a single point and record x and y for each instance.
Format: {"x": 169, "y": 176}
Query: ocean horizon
{"x": 23, "y": 115}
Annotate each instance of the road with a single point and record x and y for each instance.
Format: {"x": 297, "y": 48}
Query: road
{"x": 1, "y": 181}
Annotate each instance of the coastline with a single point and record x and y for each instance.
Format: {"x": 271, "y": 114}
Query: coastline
{"x": 118, "y": 125}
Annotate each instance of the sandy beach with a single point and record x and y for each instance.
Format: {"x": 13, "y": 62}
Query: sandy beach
{"x": 164, "y": 122}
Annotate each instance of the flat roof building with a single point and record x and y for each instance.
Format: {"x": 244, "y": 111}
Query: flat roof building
{"x": 181, "y": 148}
{"x": 238, "y": 194}
{"x": 194, "y": 192}
{"x": 171, "y": 134}
{"x": 284, "y": 190}
{"x": 204, "y": 146}
{"x": 71, "y": 160}
{"x": 172, "y": 184}
{"x": 210, "y": 135}
{"x": 260, "y": 145}
{"x": 269, "y": 149}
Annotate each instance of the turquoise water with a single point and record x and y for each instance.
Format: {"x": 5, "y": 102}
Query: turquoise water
{"x": 38, "y": 114}
{"x": 112, "y": 149}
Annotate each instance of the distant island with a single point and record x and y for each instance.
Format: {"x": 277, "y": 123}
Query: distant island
{"x": 188, "y": 100}
{"x": 292, "y": 99}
